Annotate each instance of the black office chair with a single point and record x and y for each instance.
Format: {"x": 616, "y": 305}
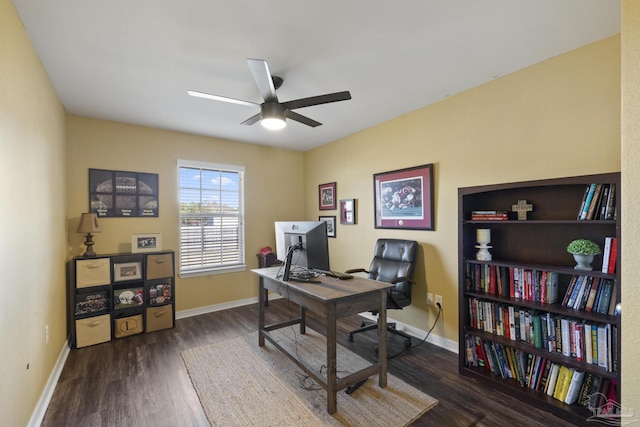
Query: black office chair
{"x": 393, "y": 262}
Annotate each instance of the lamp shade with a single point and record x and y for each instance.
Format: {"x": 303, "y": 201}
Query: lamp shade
{"x": 88, "y": 223}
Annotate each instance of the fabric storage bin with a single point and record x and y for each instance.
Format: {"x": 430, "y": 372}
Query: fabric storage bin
{"x": 93, "y": 330}
{"x": 159, "y": 266}
{"x": 127, "y": 326}
{"x": 92, "y": 272}
{"x": 159, "y": 318}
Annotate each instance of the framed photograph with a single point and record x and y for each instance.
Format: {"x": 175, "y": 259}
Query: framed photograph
{"x": 127, "y": 298}
{"x": 327, "y": 196}
{"x": 146, "y": 242}
{"x": 348, "y": 211}
{"x": 404, "y": 198}
{"x": 123, "y": 194}
{"x": 127, "y": 271}
{"x": 331, "y": 224}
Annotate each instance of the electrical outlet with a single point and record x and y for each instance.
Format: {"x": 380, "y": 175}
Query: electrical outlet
{"x": 46, "y": 334}
{"x": 430, "y": 300}
{"x": 439, "y": 300}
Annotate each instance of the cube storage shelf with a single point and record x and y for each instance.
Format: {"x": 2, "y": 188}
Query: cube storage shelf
{"x": 119, "y": 295}
{"x": 537, "y": 244}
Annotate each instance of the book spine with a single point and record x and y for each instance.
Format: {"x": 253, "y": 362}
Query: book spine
{"x": 594, "y": 202}
{"x": 613, "y": 256}
{"x": 587, "y": 202}
{"x": 611, "y": 203}
{"x": 606, "y": 253}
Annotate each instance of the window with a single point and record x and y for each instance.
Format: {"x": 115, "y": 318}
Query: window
{"x": 211, "y": 218}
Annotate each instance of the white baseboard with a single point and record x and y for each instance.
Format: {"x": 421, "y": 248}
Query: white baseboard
{"x": 182, "y": 314}
{"x": 436, "y": 340}
{"x": 43, "y": 403}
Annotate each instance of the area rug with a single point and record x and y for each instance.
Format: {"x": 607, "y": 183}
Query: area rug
{"x": 241, "y": 384}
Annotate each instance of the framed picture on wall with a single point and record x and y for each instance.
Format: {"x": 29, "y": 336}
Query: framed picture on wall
{"x": 331, "y": 224}
{"x": 327, "y": 196}
{"x": 348, "y": 211}
{"x": 404, "y": 198}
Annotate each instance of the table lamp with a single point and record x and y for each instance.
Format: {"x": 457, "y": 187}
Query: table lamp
{"x": 88, "y": 224}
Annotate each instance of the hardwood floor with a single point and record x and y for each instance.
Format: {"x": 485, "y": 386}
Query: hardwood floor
{"x": 142, "y": 380}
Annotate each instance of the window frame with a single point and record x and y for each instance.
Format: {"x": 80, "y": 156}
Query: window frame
{"x": 209, "y": 269}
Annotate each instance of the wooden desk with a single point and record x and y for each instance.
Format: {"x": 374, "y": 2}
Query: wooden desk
{"x": 333, "y": 299}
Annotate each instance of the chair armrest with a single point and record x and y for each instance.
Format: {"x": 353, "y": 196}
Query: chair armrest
{"x": 401, "y": 279}
{"x": 356, "y": 270}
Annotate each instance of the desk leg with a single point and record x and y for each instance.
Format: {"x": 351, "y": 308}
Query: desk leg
{"x": 303, "y": 320}
{"x": 382, "y": 340}
{"x": 261, "y": 311}
{"x": 332, "y": 401}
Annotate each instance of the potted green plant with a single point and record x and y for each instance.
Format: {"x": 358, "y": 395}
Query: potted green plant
{"x": 583, "y": 252}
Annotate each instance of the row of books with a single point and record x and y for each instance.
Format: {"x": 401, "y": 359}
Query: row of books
{"x": 513, "y": 282}
{"x": 588, "y": 342}
{"x": 565, "y": 384}
{"x": 489, "y": 216}
{"x": 598, "y": 202}
{"x": 594, "y": 294}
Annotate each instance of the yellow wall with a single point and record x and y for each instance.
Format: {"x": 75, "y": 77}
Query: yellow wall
{"x": 32, "y": 223}
{"x": 557, "y": 118}
{"x": 630, "y": 250}
{"x": 273, "y": 187}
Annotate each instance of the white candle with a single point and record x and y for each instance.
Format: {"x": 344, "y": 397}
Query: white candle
{"x": 483, "y": 235}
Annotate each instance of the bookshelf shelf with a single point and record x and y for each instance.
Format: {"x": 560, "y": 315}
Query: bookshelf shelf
{"x": 497, "y": 327}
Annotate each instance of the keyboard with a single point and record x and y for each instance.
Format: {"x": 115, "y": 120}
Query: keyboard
{"x": 338, "y": 275}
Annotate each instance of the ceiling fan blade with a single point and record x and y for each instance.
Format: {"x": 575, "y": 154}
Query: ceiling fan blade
{"x": 253, "y": 119}
{"x": 220, "y": 98}
{"x": 262, "y": 75}
{"x": 302, "y": 119}
{"x": 317, "y": 100}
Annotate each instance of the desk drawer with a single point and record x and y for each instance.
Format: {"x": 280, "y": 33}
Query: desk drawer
{"x": 93, "y": 330}
{"x": 92, "y": 272}
{"x": 159, "y": 266}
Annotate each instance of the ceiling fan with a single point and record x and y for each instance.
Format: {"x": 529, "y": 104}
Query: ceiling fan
{"x": 273, "y": 112}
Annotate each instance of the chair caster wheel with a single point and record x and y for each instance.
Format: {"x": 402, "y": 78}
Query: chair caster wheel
{"x": 407, "y": 343}
{"x": 350, "y": 338}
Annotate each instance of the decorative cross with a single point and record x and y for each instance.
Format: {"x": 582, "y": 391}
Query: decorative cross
{"x": 522, "y": 208}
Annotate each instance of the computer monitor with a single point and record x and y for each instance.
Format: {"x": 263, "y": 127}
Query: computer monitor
{"x": 309, "y": 239}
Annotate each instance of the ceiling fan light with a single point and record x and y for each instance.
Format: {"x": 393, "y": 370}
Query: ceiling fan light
{"x": 273, "y": 123}
{"x": 273, "y": 116}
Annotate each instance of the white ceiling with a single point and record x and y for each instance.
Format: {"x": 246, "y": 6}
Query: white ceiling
{"x": 133, "y": 61}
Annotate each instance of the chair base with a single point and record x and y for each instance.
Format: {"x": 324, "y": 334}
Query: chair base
{"x": 391, "y": 328}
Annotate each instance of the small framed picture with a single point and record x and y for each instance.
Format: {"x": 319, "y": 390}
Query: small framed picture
{"x": 146, "y": 242}
{"x": 127, "y": 271}
{"x": 327, "y": 196}
{"x": 348, "y": 211}
{"x": 331, "y": 224}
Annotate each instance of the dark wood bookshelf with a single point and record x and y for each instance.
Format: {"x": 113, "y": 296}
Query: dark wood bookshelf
{"x": 537, "y": 243}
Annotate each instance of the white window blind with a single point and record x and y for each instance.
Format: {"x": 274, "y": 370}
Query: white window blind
{"x": 211, "y": 218}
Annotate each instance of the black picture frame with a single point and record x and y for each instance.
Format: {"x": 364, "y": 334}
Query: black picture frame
{"x": 403, "y": 198}
{"x": 331, "y": 224}
{"x": 123, "y": 194}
